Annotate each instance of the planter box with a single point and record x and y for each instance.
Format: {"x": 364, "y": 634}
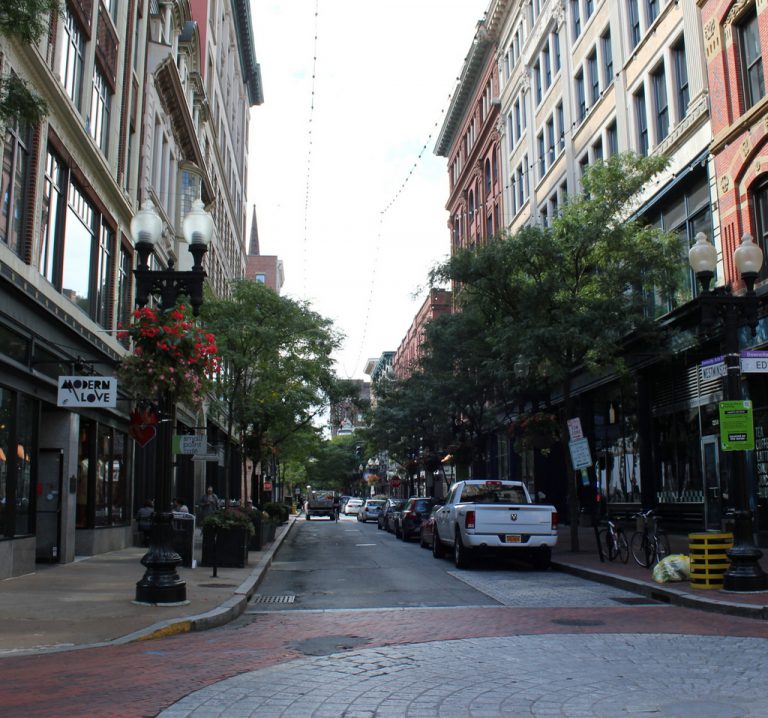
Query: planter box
{"x": 231, "y": 548}
{"x": 256, "y": 542}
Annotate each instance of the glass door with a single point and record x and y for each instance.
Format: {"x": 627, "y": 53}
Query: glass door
{"x": 710, "y": 463}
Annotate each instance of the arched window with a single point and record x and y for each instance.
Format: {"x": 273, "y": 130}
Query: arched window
{"x": 487, "y": 177}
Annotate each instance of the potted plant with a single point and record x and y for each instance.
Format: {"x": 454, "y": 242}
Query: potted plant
{"x": 226, "y": 534}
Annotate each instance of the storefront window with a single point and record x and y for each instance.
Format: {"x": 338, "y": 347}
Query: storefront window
{"x": 18, "y": 419}
{"x": 678, "y": 457}
{"x": 102, "y": 487}
{"x": 617, "y": 450}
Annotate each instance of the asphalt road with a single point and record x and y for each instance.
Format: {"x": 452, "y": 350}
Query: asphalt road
{"x": 356, "y": 624}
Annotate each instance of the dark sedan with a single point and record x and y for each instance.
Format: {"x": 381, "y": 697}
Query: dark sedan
{"x": 408, "y": 520}
{"x": 384, "y": 520}
{"x": 427, "y": 530}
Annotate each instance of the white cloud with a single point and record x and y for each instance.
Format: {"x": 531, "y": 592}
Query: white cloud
{"x": 384, "y": 74}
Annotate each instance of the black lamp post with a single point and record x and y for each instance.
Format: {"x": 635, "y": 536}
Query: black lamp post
{"x": 161, "y": 583}
{"x": 744, "y": 572}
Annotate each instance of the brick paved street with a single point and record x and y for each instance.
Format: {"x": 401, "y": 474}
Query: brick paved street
{"x": 140, "y": 679}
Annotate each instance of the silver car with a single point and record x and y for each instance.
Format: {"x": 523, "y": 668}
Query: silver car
{"x": 370, "y": 510}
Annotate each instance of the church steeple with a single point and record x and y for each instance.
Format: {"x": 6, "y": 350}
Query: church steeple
{"x": 253, "y": 249}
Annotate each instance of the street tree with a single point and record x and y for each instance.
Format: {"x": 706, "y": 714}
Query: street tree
{"x": 566, "y": 297}
{"x": 278, "y": 371}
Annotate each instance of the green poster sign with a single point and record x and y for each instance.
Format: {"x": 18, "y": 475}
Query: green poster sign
{"x": 737, "y": 429}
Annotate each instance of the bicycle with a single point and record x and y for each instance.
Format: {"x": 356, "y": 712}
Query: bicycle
{"x": 615, "y": 541}
{"x": 649, "y": 544}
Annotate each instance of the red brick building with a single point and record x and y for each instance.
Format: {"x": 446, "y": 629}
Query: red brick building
{"x": 735, "y": 43}
{"x": 470, "y": 140}
{"x": 408, "y": 353}
{"x": 264, "y": 268}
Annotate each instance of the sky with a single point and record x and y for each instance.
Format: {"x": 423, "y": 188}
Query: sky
{"x": 341, "y": 195}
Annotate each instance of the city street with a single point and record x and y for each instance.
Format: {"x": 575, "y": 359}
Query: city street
{"x": 351, "y": 621}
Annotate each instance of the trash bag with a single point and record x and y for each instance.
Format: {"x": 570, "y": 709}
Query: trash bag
{"x": 675, "y": 567}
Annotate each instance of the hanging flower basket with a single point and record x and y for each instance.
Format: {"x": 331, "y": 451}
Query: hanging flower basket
{"x": 171, "y": 355}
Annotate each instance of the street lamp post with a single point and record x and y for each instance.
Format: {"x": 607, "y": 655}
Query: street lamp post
{"x": 744, "y": 572}
{"x": 161, "y": 583}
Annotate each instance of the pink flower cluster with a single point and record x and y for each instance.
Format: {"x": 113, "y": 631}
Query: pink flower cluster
{"x": 170, "y": 354}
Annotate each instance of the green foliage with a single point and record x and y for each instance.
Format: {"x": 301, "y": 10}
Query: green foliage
{"x": 277, "y": 511}
{"x": 26, "y": 20}
{"x": 333, "y": 463}
{"x": 18, "y": 103}
{"x": 228, "y": 520}
{"x": 278, "y": 370}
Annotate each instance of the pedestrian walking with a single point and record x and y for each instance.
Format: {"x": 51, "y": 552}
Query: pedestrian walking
{"x": 209, "y": 503}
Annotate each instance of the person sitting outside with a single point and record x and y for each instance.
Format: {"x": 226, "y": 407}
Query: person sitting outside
{"x": 180, "y": 507}
{"x": 144, "y": 520}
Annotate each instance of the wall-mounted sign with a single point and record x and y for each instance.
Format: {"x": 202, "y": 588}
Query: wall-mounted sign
{"x": 737, "y": 429}
{"x": 713, "y": 368}
{"x": 754, "y": 362}
{"x": 574, "y": 429}
{"x": 90, "y": 391}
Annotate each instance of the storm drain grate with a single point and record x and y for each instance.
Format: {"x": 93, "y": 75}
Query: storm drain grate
{"x": 259, "y": 598}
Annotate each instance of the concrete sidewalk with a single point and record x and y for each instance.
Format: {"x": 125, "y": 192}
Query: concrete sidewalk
{"x": 631, "y": 577}
{"x": 90, "y": 602}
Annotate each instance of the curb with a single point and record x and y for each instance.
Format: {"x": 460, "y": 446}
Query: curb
{"x": 221, "y": 615}
{"x": 681, "y": 598}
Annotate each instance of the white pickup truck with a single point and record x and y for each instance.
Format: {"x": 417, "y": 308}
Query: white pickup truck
{"x": 494, "y": 516}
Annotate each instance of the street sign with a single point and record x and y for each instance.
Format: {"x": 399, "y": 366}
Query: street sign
{"x": 713, "y": 368}
{"x": 737, "y": 430}
{"x": 395, "y": 483}
{"x": 581, "y": 458}
{"x": 574, "y": 429}
{"x": 206, "y": 457}
{"x": 754, "y": 362}
{"x": 90, "y": 391}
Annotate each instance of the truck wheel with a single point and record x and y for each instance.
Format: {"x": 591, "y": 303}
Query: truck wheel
{"x": 542, "y": 558}
{"x": 438, "y": 550}
{"x": 460, "y": 552}
{"x": 308, "y": 517}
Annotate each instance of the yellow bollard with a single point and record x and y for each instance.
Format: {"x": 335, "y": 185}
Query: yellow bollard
{"x": 709, "y": 561}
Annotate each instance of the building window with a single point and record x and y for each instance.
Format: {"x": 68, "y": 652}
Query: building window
{"x": 751, "y": 59}
{"x": 542, "y": 155}
{"x": 560, "y": 127}
{"x": 14, "y": 187}
{"x": 659, "y": 81}
{"x": 597, "y": 151}
{"x": 652, "y": 10}
{"x": 547, "y": 67}
{"x": 78, "y": 248}
{"x": 581, "y": 101}
{"x": 71, "y": 59}
{"x": 18, "y": 431}
{"x": 589, "y": 8}
{"x": 681, "y": 79}
{"x": 556, "y": 49}
{"x": 642, "y": 122}
{"x": 518, "y": 121}
{"x": 537, "y": 82}
{"x": 760, "y": 196}
{"x": 550, "y": 127}
{"x": 594, "y": 78}
{"x": 101, "y": 105}
{"x": 612, "y": 136}
{"x": 605, "y": 44}
{"x": 487, "y": 177}
{"x": 634, "y": 23}
{"x": 575, "y": 18}
{"x": 471, "y": 199}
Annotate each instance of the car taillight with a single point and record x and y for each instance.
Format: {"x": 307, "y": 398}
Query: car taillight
{"x": 469, "y": 522}
{"x": 554, "y": 520}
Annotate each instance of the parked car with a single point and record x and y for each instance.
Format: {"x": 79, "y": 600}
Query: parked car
{"x": 352, "y": 506}
{"x": 383, "y": 521}
{"x": 408, "y": 520}
{"x": 427, "y": 529}
{"x": 370, "y": 510}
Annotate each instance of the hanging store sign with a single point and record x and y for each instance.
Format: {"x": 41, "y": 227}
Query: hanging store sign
{"x": 87, "y": 391}
{"x": 737, "y": 429}
{"x": 190, "y": 444}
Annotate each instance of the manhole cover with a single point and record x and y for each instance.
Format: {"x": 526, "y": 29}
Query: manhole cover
{"x": 577, "y": 622}
{"x": 217, "y": 585}
{"x": 635, "y": 600}
{"x": 259, "y": 598}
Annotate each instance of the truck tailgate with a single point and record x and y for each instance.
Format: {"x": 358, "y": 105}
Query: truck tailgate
{"x": 508, "y": 519}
